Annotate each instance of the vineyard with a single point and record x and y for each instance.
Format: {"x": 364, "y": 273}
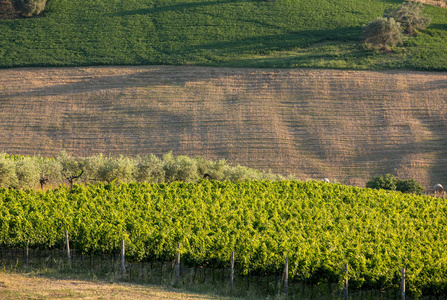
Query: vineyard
{"x": 318, "y": 226}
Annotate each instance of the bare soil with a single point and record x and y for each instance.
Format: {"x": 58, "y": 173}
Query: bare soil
{"x": 344, "y": 125}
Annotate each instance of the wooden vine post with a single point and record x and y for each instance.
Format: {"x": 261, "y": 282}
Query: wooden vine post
{"x": 232, "y": 270}
{"x": 402, "y": 285}
{"x": 177, "y": 263}
{"x": 67, "y": 248}
{"x": 346, "y": 282}
{"x": 123, "y": 258}
{"x": 286, "y": 278}
{"x": 27, "y": 256}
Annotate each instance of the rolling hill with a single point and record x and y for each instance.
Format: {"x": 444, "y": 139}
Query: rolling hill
{"x": 248, "y": 33}
{"x": 344, "y": 125}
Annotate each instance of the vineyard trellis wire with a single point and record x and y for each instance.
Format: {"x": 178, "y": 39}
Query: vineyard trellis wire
{"x": 318, "y": 226}
{"x": 174, "y": 273}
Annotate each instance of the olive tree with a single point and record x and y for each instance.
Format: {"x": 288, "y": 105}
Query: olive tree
{"x": 118, "y": 169}
{"x": 180, "y": 168}
{"x": 50, "y": 171}
{"x": 8, "y": 176}
{"x": 29, "y": 8}
{"x": 149, "y": 169}
{"x": 27, "y": 172}
{"x": 409, "y": 15}
{"x": 382, "y": 34}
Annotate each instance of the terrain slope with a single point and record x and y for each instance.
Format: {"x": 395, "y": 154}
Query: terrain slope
{"x": 229, "y": 33}
{"x": 344, "y": 125}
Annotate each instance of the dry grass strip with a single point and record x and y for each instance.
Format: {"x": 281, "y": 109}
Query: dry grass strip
{"x": 15, "y": 286}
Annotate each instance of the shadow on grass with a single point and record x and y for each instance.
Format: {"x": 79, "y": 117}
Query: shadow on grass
{"x": 176, "y": 7}
{"x": 438, "y": 26}
{"x": 281, "y": 42}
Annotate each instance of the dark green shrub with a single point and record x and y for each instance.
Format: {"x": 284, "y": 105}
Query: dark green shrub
{"x": 409, "y": 15}
{"x": 389, "y": 182}
{"x": 29, "y": 8}
{"x": 7, "y": 10}
{"x": 385, "y": 182}
{"x": 382, "y": 34}
{"x": 409, "y": 186}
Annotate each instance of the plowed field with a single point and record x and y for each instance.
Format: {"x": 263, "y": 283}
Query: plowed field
{"x": 344, "y": 125}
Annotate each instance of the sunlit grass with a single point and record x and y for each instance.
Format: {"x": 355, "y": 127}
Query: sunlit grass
{"x": 251, "y": 33}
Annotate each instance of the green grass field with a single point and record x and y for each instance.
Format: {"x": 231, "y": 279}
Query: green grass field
{"x": 245, "y": 33}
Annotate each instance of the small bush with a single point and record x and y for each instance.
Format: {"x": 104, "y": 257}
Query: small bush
{"x": 382, "y": 34}
{"x": 410, "y": 186}
{"x": 409, "y": 15}
{"x": 389, "y": 182}
{"x": 214, "y": 169}
{"x": 29, "y": 8}
{"x": 91, "y": 166}
{"x": 180, "y": 168}
{"x": 7, "y": 10}
{"x": 386, "y": 182}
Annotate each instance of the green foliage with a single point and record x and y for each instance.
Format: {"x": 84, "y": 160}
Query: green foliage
{"x": 391, "y": 183}
{"x": 29, "y": 8}
{"x": 27, "y": 173}
{"x": 409, "y": 15}
{"x": 314, "y": 33}
{"x": 92, "y": 167}
{"x": 150, "y": 169}
{"x": 215, "y": 169}
{"x": 385, "y": 182}
{"x": 70, "y": 165}
{"x": 50, "y": 169}
{"x": 409, "y": 186}
{"x": 382, "y": 33}
{"x": 18, "y": 171}
{"x": 8, "y": 176}
{"x": 387, "y": 32}
{"x": 119, "y": 169}
{"x": 180, "y": 168}
{"x": 318, "y": 226}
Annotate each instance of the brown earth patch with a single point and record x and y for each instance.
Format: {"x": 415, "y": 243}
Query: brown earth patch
{"x": 344, "y": 125}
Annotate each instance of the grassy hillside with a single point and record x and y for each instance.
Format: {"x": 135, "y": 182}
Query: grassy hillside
{"x": 254, "y": 33}
{"x": 345, "y": 125}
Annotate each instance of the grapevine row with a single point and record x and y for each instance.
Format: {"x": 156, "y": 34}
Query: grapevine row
{"x": 318, "y": 226}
